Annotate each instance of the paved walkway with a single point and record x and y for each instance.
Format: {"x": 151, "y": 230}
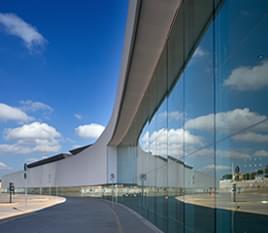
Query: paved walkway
{"x": 256, "y": 203}
{"x": 79, "y": 215}
{"x": 20, "y": 205}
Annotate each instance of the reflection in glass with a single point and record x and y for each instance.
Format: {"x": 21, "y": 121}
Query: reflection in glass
{"x": 202, "y": 155}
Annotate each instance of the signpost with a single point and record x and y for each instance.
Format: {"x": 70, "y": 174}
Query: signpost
{"x": 234, "y": 186}
{"x": 143, "y": 178}
{"x": 112, "y": 179}
{"x": 25, "y": 178}
{"x": 11, "y": 191}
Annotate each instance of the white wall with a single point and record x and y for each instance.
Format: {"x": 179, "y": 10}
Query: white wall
{"x": 112, "y": 164}
{"x": 86, "y": 168}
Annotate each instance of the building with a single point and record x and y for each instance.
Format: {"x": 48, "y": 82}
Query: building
{"x": 191, "y": 104}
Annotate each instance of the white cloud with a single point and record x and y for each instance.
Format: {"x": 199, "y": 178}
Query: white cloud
{"x": 33, "y": 106}
{"x": 29, "y": 138}
{"x": 261, "y": 153}
{"x": 252, "y": 137}
{"x": 78, "y": 116}
{"x": 230, "y": 154}
{"x": 228, "y": 121}
{"x": 174, "y": 115}
{"x": 199, "y": 52}
{"x": 246, "y": 78}
{"x": 11, "y": 113}
{"x": 218, "y": 167}
{"x": 33, "y": 131}
{"x": 4, "y": 166}
{"x": 14, "y": 149}
{"x": 159, "y": 144}
{"x": 91, "y": 131}
{"x": 16, "y": 26}
{"x": 169, "y": 141}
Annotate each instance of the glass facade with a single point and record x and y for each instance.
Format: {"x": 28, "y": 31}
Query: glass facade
{"x": 201, "y": 161}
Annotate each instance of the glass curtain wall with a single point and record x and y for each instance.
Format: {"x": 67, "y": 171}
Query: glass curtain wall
{"x": 202, "y": 156}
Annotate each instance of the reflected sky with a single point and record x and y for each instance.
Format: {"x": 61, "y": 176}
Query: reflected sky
{"x": 224, "y": 101}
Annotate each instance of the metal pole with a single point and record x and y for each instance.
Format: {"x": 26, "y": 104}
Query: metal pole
{"x": 10, "y": 196}
{"x": 26, "y": 184}
{"x": 26, "y": 191}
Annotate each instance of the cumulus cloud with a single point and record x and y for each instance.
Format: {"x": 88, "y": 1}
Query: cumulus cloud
{"x": 35, "y": 130}
{"x": 218, "y": 167}
{"x": 11, "y": 113}
{"x": 158, "y": 143}
{"x": 199, "y": 52}
{"x": 90, "y": 131}
{"x": 33, "y": 106}
{"x": 173, "y": 115}
{"x": 229, "y": 154}
{"x": 228, "y": 121}
{"x": 252, "y": 137}
{"x": 233, "y": 154}
{"x": 4, "y": 166}
{"x": 169, "y": 141}
{"x": 246, "y": 78}
{"x": 261, "y": 153}
{"x": 14, "y": 149}
{"x": 16, "y": 26}
{"x": 29, "y": 138}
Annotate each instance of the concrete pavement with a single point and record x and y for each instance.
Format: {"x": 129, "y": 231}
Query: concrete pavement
{"x": 256, "y": 203}
{"x": 22, "y": 205}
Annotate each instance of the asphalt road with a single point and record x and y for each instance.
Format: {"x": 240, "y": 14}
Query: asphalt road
{"x": 78, "y": 215}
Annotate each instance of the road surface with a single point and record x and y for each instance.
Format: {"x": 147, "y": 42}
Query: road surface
{"x": 79, "y": 215}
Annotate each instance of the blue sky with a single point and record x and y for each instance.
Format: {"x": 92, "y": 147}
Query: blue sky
{"x": 59, "y": 69}
{"x": 234, "y": 114}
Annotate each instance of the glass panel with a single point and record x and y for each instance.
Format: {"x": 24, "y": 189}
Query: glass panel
{"x": 241, "y": 116}
{"x": 199, "y": 160}
{"x": 175, "y": 159}
{"x": 202, "y": 158}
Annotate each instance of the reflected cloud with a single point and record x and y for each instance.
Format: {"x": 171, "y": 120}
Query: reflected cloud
{"x": 228, "y": 121}
{"x": 168, "y": 141}
{"x": 233, "y": 154}
{"x": 251, "y": 137}
{"x": 212, "y": 167}
{"x": 246, "y": 78}
{"x": 261, "y": 153}
{"x": 221, "y": 153}
{"x": 199, "y": 52}
{"x": 174, "y": 115}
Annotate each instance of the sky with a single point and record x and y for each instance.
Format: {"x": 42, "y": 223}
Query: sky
{"x": 59, "y": 68}
{"x": 216, "y": 116}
